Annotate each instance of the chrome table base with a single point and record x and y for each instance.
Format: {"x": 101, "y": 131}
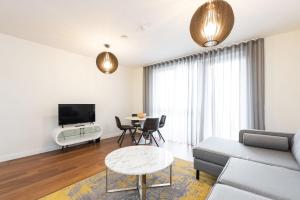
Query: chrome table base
{"x": 141, "y": 185}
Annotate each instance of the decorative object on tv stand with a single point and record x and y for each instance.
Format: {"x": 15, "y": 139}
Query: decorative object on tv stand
{"x": 106, "y": 61}
{"x": 141, "y": 115}
{"x": 212, "y": 23}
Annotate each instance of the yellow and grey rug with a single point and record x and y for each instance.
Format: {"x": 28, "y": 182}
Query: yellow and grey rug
{"x": 184, "y": 187}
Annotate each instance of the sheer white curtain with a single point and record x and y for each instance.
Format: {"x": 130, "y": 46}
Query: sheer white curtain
{"x": 203, "y": 95}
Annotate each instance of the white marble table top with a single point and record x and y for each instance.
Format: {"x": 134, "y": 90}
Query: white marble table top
{"x": 140, "y": 119}
{"x": 138, "y": 160}
{"x": 136, "y": 118}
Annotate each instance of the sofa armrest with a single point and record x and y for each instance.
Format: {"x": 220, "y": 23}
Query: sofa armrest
{"x": 290, "y": 136}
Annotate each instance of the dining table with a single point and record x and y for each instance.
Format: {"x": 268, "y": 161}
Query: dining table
{"x": 140, "y": 119}
{"x": 136, "y": 118}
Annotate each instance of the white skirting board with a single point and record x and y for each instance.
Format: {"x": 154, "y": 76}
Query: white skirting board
{"x": 17, "y": 155}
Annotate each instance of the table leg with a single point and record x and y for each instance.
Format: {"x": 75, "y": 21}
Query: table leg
{"x": 116, "y": 190}
{"x": 171, "y": 174}
{"x": 137, "y": 182}
{"x": 106, "y": 179}
{"x": 142, "y": 187}
{"x": 163, "y": 184}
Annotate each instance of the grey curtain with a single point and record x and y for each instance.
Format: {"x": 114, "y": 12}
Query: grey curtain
{"x": 254, "y": 52}
{"x": 214, "y": 93}
{"x": 147, "y": 89}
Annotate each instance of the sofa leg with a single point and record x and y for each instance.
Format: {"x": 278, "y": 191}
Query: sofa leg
{"x": 197, "y": 174}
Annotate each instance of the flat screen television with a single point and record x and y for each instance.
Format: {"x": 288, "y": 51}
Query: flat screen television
{"x": 76, "y": 113}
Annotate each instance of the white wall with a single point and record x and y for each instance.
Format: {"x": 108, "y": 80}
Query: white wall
{"x": 282, "y": 106}
{"x": 35, "y": 78}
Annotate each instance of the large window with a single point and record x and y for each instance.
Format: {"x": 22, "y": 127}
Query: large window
{"x": 203, "y": 95}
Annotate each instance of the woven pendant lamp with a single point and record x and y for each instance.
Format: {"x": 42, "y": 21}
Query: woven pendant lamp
{"x": 107, "y": 62}
{"x": 212, "y": 23}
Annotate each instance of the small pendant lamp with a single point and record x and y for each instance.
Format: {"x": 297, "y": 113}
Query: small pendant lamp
{"x": 212, "y": 23}
{"x": 107, "y": 62}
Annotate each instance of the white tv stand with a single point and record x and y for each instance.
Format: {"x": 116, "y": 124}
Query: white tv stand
{"x": 69, "y": 135}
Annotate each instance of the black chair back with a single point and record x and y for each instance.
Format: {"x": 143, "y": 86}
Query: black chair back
{"x": 162, "y": 121}
{"x": 151, "y": 124}
{"x": 118, "y": 122}
{"x": 134, "y": 122}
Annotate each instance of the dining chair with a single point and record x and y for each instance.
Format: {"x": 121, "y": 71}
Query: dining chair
{"x": 124, "y": 128}
{"x": 150, "y": 126}
{"x": 161, "y": 125}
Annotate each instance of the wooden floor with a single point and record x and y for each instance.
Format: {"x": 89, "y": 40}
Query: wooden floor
{"x": 36, "y": 176}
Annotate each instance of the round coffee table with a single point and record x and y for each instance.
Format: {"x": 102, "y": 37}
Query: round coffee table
{"x": 139, "y": 161}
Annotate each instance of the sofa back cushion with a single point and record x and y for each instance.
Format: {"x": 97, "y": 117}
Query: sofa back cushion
{"x": 296, "y": 147}
{"x": 266, "y": 141}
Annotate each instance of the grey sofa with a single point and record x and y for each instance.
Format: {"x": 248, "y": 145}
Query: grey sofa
{"x": 261, "y": 165}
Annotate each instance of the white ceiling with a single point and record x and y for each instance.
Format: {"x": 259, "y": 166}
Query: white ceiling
{"x": 157, "y": 29}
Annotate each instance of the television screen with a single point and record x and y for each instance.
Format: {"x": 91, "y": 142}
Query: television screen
{"x": 75, "y": 113}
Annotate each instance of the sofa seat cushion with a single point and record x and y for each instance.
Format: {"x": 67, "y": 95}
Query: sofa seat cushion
{"x": 265, "y": 180}
{"x": 225, "y": 192}
{"x": 218, "y": 151}
{"x": 271, "y": 157}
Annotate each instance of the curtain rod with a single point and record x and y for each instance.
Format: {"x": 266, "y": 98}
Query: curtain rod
{"x": 202, "y": 52}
